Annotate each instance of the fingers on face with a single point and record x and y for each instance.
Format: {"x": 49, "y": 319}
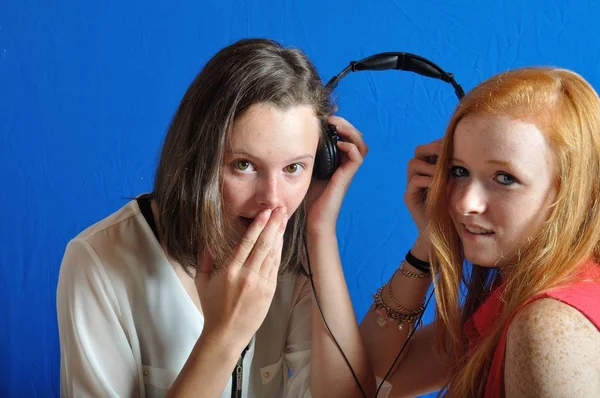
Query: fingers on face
{"x": 264, "y": 243}
{"x": 270, "y": 267}
{"x": 247, "y": 243}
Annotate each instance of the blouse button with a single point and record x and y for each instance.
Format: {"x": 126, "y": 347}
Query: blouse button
{"x": 145, "y": 373}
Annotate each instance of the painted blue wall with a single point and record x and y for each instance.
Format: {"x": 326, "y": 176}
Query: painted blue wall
{"x": 87, "y": 90}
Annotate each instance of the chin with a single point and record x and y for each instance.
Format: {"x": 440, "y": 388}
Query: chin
{"x": 482, "y": 261}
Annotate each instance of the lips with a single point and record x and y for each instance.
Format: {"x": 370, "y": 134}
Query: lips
{"x": 246, "y": 221}
{"x": 478, "y": 230}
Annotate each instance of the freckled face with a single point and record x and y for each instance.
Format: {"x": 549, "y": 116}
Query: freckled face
{"x": 501, "y": 186}
{"x": 269, "y": 161}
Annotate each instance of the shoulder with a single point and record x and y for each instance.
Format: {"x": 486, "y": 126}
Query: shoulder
{"x": 108, "y": 250}
{"x": 548, "y": 313}
{"x": 112, "y": 241}
{"x": 551, "y": 348}
{"x": 125, "y": 214}
{"x": 547, "y": 320}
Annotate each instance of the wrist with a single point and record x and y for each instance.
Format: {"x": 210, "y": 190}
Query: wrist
{"x": 421, "y": 248}
{"x": 423, "y": 267}
{"x": 315, "y": 232}
{"x": 223, "y": 344}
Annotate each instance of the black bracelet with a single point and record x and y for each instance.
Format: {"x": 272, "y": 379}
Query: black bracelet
{"x": 421, "y": 265}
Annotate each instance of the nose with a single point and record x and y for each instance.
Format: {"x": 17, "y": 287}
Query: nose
{"x": 267, "y": 194}
{"x": 469, "y": 198}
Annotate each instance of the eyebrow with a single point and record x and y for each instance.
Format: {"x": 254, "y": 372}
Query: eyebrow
{"x": 296, "y": 159}
{"x": 503, "y": 163}
{"x": 499, "y": 162}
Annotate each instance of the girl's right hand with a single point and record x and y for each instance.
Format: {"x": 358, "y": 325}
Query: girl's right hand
{"x": 419, "y": 177}
{"x": 236, "y": 298}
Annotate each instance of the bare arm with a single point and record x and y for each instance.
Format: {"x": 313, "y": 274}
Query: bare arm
{"x": 330, "y": 375}
{"x": 424, "y": 369}
{"x": 421, "y": 368}
{"x": 208, "y": 368}
{"x": 552, "y": 350}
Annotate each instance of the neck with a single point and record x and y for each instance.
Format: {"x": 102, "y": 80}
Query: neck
{"x": 505, "y": 272}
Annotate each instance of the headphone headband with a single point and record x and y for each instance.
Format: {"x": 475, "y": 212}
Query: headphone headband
{"x": 327, "y": 159}
{"x": 398, "y": 61}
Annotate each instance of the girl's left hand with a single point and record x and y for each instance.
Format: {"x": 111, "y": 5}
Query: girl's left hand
{"x": 325, "y": 198}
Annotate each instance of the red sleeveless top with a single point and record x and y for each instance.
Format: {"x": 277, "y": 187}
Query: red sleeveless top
{"x": 583, "y": 296}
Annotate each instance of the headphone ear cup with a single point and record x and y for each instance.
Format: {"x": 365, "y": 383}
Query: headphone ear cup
{"x": 328, "y": 156}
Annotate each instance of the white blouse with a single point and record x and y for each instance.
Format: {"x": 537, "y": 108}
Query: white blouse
{"x": 127, "y": 325}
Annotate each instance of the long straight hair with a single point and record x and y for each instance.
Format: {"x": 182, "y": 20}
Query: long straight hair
{"x": 567, "y": 109}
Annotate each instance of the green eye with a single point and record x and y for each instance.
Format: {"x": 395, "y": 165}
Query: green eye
{"x": 292, "y": 168}
{"x": 242, "y": 165}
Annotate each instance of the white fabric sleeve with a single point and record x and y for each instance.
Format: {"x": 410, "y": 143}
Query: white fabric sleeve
{"x": 96, "y": 357}
{"x": 298, "y": 344}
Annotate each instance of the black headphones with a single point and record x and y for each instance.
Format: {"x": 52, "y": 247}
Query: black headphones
{"x": 328, "y": 158}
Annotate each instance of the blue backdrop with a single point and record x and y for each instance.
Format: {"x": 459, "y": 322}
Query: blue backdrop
{"x": 87, "y": 90}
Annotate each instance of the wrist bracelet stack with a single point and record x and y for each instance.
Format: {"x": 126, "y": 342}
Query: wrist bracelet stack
{"x": 387, "y": 315}
{"x": 400, "y": 314}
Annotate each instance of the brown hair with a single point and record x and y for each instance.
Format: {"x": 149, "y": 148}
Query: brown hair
{"x": 188, "y": 183}
{"x": 567, "y": 109}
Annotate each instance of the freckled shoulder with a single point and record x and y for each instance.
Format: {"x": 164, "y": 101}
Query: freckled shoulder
{"x": 552, "y": 350}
